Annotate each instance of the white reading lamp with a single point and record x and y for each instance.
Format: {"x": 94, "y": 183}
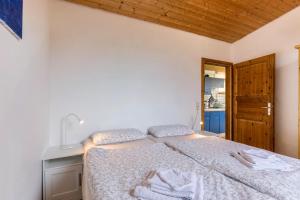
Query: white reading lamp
{"x": 64, "y": 131}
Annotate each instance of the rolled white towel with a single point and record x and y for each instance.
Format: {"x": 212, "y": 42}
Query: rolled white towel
{"x": 144, "y": 193}
{"x": 247, "y": 157}
{"x": 156, "y": 184}
{"x": 176, "y": 194}
{"x": 270, "y": 162}
{"x": 154, "y": 180}
{"x": 155, "y": 188}
{"x": 242, "y": 160}
{"x": 177, "y": 180}
{"x": 198, "y": 193}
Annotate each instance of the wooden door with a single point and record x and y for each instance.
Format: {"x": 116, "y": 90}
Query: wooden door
{"x": 253, "y": 102}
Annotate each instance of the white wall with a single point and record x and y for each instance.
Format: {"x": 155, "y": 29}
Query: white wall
{"x": 24, "y": 104}
{"x": 280, "y": 37}
{"x": 117, "y": 72}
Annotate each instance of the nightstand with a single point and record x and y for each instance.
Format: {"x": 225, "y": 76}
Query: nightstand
{"x": 62, "y": 173}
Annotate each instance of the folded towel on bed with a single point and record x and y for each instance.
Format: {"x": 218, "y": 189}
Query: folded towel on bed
{"x": 177, "y": 180}
{"x": 257, "y": 153}
{"x": 175, "y": 184}
{"x": 157, "y": 185}
{"x": 163, "y": 185}
{"x": 241, "y": 159}
{"x": 261, "y": 160}
{"x": 247, "y": 157}
{"x": 143, "y": 193}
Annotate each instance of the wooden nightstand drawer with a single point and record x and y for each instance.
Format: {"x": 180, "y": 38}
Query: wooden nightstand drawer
{"x": 64, "y": 183}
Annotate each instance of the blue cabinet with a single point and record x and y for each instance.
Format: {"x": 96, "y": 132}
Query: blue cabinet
{"x": 206, "y": 121}
{"x": 214, "y": 121}
{"x": 222, "y": 122}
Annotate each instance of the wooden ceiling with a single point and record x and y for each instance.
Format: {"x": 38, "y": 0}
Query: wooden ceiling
{"x": 226, "y": 20}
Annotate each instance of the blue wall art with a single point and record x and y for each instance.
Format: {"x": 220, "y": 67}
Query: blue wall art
{"x": 11, "y": 15}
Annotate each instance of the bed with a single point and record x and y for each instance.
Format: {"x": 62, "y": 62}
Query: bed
{"x": 111, "y": 172}
{"x": 213, "y": 152}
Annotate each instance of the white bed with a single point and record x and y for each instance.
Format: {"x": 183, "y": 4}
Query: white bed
{"x": 112, "y": 171}
{"x": 88, "y": 145}
{"x": 214, "y": 153}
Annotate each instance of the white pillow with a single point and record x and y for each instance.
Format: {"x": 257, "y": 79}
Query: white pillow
{"x": 170, "y": 130}
{"x": 117, "y": 136}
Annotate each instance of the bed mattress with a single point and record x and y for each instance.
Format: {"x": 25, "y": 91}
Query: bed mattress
{"x": 213, "y": 152}
{"x": 111, "y": 174}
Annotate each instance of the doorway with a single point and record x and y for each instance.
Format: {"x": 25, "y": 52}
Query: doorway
{"x": 216, "y": 97}
{"x": 247, "y": 102}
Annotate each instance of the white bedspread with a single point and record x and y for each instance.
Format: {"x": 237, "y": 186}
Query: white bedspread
{"x": 215, "y": 153}
{"x": 112, "y": 174}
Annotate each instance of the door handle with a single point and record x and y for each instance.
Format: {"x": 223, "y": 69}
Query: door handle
{"x": 269, "y": 107}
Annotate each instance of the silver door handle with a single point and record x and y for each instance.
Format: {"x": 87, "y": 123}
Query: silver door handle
{"x": 269, "y": 107}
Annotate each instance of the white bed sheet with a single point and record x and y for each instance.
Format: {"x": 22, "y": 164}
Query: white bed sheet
{"x": 112, "y": 173}
{"x": 88, "y": 144}
{"x": 213, "y": 152}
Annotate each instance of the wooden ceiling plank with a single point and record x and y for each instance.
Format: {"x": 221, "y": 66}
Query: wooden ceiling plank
{"x": 255, "y": 8}
{"x": 228, "y": 10}
{"x": 202, "y": 23}
{"x": 168, "y": 12}
{"x": 145, "y": 15}
{"x": 160, "y": 15}
{"x": 226, "y": 20}
{"x": 206, "y": 15}
{"x": 269, "y": 9}
{"x": 250, "y": 23}
{"x": 263, "y": 8}
{"x": 201, "y": 12}
{"x": 217, "y": 11}
{"x": 242, "y": 32}
{"x": 283, "y": 5}
{"x": 178, "y": 22}
{"x": 163, "y": 20}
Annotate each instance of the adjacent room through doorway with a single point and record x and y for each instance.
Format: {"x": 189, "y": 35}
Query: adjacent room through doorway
{"x": 216, "y": 97}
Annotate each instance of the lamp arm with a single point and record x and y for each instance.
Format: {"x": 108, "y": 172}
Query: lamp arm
{"x": 63, "y": 126}
{"x": 72, "y": 115}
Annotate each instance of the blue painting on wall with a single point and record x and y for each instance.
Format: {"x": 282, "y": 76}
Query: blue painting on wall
{"x": 11, "y": 15}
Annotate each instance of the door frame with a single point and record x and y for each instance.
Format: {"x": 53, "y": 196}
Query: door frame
{"x": 228, "y": 99}
{"x": 298, "y": 47}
